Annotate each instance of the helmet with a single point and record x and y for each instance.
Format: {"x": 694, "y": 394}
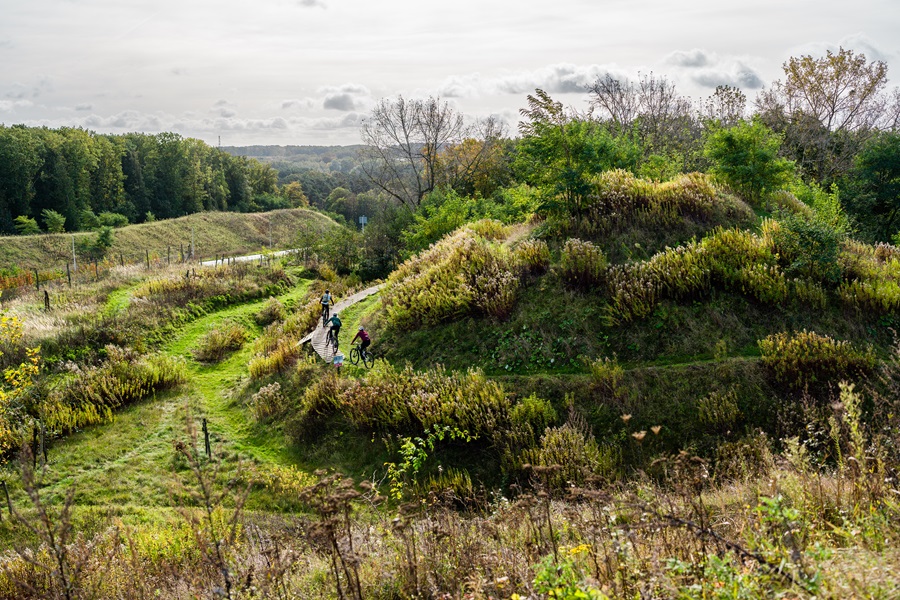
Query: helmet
{"x": 361, "y": 328}
{"x": 335, "y": 314}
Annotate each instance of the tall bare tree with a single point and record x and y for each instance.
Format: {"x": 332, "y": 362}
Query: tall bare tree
{"x": 407, "y": 147}
{"x": 727, "y": 105}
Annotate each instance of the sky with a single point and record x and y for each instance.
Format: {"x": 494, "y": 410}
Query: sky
{"x": 307, "y": 72}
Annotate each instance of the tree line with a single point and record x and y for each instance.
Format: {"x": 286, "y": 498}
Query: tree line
{"x": 70, "y": 179}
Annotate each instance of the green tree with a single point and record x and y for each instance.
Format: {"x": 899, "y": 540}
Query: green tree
{"x": 55, "y": 222}
{"x": 746, "y": 158}
{"x": 826, "y": 107}
{"x": 20, "y": 162}
{"x": 293, "y": 193}
{"x": 560, "y": 151}
{"x": 27, "y": 225}
{"x": 872, "y": 189}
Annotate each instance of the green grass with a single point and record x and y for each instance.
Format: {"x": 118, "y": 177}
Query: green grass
{"x": 214, "y": 233}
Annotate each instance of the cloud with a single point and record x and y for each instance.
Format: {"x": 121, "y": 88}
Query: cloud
{"x": 709, "y": 70}
{"x": 311, "y": 3}
{"x": 302, "y": 103}
{"x": 348, "y": 97}
{"x": 858, "y": 42}
{"x": 691, "y": 58}
{"x": 179, "y": 72}
{"x": 561, "y": 78}
{"x": 11, "y": 105}
{"x": 350, "y": 120}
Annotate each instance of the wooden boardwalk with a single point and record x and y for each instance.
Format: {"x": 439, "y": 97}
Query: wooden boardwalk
{"x": 318, "y": 336}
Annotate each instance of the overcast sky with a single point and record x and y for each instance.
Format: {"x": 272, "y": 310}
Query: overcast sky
{"x": 307, "y": 71}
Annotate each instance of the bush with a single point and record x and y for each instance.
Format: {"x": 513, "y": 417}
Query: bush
{"x": 272, "y": 311}
{"x": 533, "y": 255}
{"x": 582, "y": 264}
{"x": 220, "y": 341}
{"x": 807, "y": 358}
{"x": 808, "y": 248}
{"x": 571, "y": 455}
{"x": 464, "y": 273}
{"x": 267, "y": 402}
{"x": 89, "y": 396}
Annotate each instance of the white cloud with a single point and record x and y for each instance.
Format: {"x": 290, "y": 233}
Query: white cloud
{"x": 83, "y": 107}
{"x": 11, "y": 105}
{"x": 858, "y": 42}
{"x": 348, "y": 97}
{"x": 301, "y": 103}
{"x": 561, "y": 78}
{"x": 709, "y": 69}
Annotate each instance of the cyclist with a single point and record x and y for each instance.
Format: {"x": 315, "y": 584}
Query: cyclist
{"x": 335, "y": 328}
{"x": 363, "y": 335}
{"x": 326, "y": 303}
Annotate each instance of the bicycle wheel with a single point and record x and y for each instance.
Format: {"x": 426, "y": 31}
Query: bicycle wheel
{"x": 324, "y": 314}
{"x": 354, "y": 356}
{"x": 368, "y": 360}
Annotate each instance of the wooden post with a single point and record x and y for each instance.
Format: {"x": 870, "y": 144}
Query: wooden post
{"x": 43, "y": 444}
{"x": 69, "y": 274}
{"x": 96, "y": 272}
{"x": 148, "y": 258}
{"x": 37, "y": 279}
{"x": 168, "y": 255}
{"x": 206, "y": 439}
{"x": 8, "y": 502}
{"x": 182, "y": 251}
{"x": 46, "y": 301}
{"x": 121, "y": 259}
{"x": 34, "y": 446}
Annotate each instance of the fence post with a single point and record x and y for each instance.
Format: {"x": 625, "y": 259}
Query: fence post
{"x": 96, "y": 271}
{"x": 46, "y": 300}
{"x": 148, "y": 258}
{"x": 8, "y": 502}
{"x": 181, "y": 244}
{"x": 68, "y": 274}
{"x": 206, "y": 439}
{"x": 121, "y": 259}
{"x": 168, "y": 255}
{"x": 37, "y": 279}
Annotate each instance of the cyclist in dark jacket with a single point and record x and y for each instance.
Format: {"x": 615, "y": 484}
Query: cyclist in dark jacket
{"x": 363, "y": 335}
{"x": 335, "y": 322}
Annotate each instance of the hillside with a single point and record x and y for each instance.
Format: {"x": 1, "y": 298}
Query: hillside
{"x": 214, "y": 233}
{"x": 666, "y": 393}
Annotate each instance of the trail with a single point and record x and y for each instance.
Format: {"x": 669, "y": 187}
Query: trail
{"x": 318, "y": 337}
{"x": 128, "y": 462}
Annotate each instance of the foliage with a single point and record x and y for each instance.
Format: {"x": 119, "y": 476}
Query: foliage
{"x": 80, "y": 174}
{"x": 26, "y": 226}
{"x": 807, "y": 358}
{"x": 219, "y": 342}
{"x": 618, "y": 201}
{"x": 533, "y": 255}
{"x": 745, "y": 157}
{"x": 873, "y": 187}
{"x": 463, "y": 273}
{"x": 273, "y": 310}
{"x": 54, "y": 221}
{"x": 582, "y": 264}
{"x": 89, "y": 395}
{"x": 560, "y": 152}
{"x": 15, "y": 384}
{"x": 808, "y": 248}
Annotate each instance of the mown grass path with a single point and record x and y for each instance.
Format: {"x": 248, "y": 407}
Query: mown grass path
{"x": 127, "y": 466}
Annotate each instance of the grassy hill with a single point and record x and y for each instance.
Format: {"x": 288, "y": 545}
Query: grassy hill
{"x": 213, "y": 233}
{"x": 641, "y": 399}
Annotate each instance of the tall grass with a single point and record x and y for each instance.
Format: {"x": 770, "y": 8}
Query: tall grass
{"x": 464, "y": 273}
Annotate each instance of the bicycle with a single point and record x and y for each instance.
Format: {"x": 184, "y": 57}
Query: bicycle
{"x": 358, "y": 354}
{"x": 331, "y": 339}
{"x": 326, "y": 309}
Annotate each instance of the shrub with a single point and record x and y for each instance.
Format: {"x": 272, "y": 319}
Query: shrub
{"x": 220, "y": 341}
{"x": 572, "y": 450}
{"x": 462, "y": 274}
{"x": 806, "y": 358}
{"x": 808, "y": 248}
{"x": 607, "y": 374}
{"x": 267, "y": 402}
{"x": 533, "y": 255}
{"x": 582, "y": 264}
{"x": 533, "y": 412}
{"x": 719, "y": 410}
{"x": 89, "y": 396}
{"x": 272, "y": 311}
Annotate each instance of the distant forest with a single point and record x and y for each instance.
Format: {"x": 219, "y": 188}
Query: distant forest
{"x": 72, "y": 179}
